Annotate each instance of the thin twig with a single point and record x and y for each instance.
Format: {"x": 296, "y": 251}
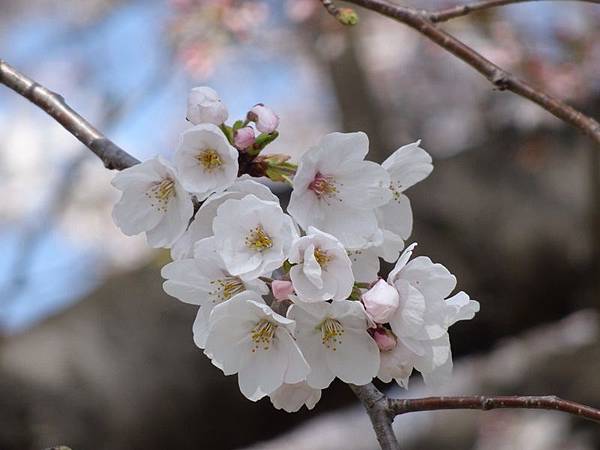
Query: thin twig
{"x": 345, "y": 16}
{"x": 113, "y": 156}
{"x": 462, "y": 10}
{"x": 499, "y": 77}
{"x": 402, "y": 406}
{"x": 377, "y": 406}
{"x": 331, "y": 8}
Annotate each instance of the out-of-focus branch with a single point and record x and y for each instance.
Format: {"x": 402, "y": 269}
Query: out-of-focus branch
{"x": 484, "y": 403}
{"x": 33, "y": 235}
{"x": 462, "y": 10}
{"x": 500, "y": 78}
{"x": 113, "y": 156}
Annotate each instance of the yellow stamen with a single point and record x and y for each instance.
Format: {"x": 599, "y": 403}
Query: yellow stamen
{"x": 331, "y": 333}
{"x": 323, "y": 186}
{"x": 160, "y": 193}
{"x": 262, "y": 334}
{"x": 225, "y": 288}
{"x": 258, "y": 240}
{"x": 210, "y": 159}
{"x": 322, "y": 257}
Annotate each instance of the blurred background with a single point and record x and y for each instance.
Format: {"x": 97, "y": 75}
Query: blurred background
{"x": 92, "y": 353}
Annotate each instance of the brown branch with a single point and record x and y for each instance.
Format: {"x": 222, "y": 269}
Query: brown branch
{"x": 382, "y": 410}
{"x": 113, "y": 156}
{"x": 462, "y": 10}
{"x": 377, "y": 406}
{"x": 403, "y": 406}
{"x": 331, "y": 8}
{"x": 499, "y": 77}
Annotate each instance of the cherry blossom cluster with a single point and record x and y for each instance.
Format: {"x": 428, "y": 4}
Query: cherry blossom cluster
{"x": 290, "y": 301}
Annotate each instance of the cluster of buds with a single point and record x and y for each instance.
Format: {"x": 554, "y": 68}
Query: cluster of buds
{"x": 291, "y": 301}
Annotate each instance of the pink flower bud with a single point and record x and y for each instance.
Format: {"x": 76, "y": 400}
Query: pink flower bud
{"x": 205, "y": 106}
{"x": 244, "y": 138}
{"x": 381, "y": 301}
{"x": 386, "y": 340}
{"x": 264, "y": 117}
{"x": 282, "y": 289}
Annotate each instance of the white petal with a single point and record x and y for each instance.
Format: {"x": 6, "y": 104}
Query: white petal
{"x": 189, "y": 280}
{"x": 365, "y": 265}
{"x": 363, "y": 184}
{"x": 433, "y": 280}
{"x": 201, "y": 327}
{"x": 311, "y": 268}
{"x": 394, "y": 274}
{"x": 291, "y": 397}
{"x": 460, "y": 307}
{"x": 409, "y": 318}
{"x": 342, "y": 147}
{"x": 173, "y": 224}
{"x": 396, "y": 216}
{"x": 320, "y": 375}
{"x": 356, "y": 358}
{"x": 408, "y": 165}
{"x": 135, "y": 213}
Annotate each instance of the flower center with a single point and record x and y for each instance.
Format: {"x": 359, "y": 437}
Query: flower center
{"x": 225, "y": 288}
{"x": 210, "y": 159}
{"x": 160, "y": 194}
{"x": 396, "y": 189}
{"x": 258, "y": 240}
{"x": 262, "y": 334}
{"x": 331, "y": 333}
{"x": 323, "y": 186}
{"x": 322, "y": 257}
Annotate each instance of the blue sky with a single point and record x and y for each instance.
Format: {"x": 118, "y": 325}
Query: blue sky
{"x": 116, "y": 56}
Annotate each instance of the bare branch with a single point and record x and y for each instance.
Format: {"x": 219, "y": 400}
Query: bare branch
{"x": 377, "y": 406}
{"x": 462, "y": 10}
{"x": 382, "y": 410}
{"x": 331, "y": 8}
{"x": 499, "y": 77}
{"x": 402, "y": 406}
{"x": 113, "y": 156}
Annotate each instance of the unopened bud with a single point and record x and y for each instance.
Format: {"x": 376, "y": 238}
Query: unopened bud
{"x": 264, "y": 117}
{"x": 244, "y": 138}
{"x": 282, "y": 289}
{"x": 386, "y": 340}
{"x": 347, "y": 16}
{"x": 205, "y": 106}
{"x": 381, "y": 301}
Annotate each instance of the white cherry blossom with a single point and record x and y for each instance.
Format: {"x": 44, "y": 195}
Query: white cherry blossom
{"x": 205, "y": 160}
{"x": 252, "y": 236}
{"x": 291, "y": 397}
{"x": 153, "y": 202}
{"x": 334, "y": 340}
{"x": 201, "y": 226}
{"x": 336, "y": 191}
{"x": 406, "y": 166}
{"x": 422, "y": 319}
{"x": 248, "y": 338}
{"x": 322, "y": 269}
{"x": 204, "y": 281}
{"x": 205, "y": 106}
